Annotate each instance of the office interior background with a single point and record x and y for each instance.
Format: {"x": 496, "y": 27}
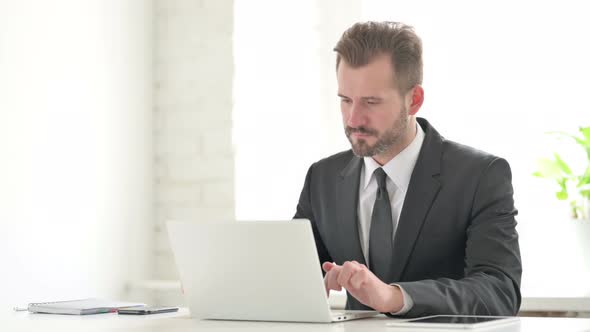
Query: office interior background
{"x": 119, "y": 115}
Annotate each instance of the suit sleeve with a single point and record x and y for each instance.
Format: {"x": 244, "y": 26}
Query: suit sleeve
{"x": 491, "y": 285}
{"x": 305, "y": 211}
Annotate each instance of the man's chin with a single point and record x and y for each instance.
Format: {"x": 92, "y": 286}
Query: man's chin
{"x": 362, "y": 150}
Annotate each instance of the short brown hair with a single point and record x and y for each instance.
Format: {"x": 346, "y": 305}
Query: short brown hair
{"x": 363, "y": 41}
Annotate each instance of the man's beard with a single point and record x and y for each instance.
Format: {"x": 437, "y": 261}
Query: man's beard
{"x": 384, "y": 142}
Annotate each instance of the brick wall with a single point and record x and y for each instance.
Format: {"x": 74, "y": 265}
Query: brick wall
{"x": 194, "y": 163}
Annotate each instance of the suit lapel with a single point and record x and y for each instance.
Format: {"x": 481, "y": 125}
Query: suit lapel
{"x": 422, "y": 190}
{"x": 348, "y": 196}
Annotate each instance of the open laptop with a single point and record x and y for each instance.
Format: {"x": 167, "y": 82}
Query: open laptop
{"x": 253, "y": 270}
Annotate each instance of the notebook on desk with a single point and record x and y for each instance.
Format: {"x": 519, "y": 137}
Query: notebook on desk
{"x": 264, "y": 271}
{"x": 80, "y": 307}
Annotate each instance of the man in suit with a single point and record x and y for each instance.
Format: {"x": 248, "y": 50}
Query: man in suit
{"x": 409, "y": 223}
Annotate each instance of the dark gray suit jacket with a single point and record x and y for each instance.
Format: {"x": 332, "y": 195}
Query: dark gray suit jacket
{"x": 456, "y": 247}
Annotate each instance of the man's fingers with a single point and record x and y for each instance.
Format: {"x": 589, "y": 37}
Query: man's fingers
{"x": 327, "y": 266}
{"x": 358, "y": 279}
{"x": 331, "y": 283}
{"x": 348, "y": 269}
{"x": 351, "y": 275}
{"x": 332, "y": 272}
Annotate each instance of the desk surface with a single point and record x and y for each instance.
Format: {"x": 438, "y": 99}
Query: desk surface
{"x": 180, "y": 321}
{"x": 579, "y": 304}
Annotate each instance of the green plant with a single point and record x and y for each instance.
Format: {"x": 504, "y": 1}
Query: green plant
{"x": 573, "y": 187}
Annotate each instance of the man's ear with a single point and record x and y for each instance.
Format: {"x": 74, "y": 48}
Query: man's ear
{"x": 415, "y": 99}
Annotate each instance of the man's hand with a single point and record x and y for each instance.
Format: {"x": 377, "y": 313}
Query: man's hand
{"x": 361, "y": 283}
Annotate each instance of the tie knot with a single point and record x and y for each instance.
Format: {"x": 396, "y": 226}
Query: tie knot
{"x": 381, "y": 176}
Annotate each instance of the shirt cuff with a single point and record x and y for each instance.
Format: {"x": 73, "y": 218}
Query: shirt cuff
{"x": 408, "y": 302}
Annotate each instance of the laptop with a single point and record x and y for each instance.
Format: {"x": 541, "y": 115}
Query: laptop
{"x": 253, "y": 270}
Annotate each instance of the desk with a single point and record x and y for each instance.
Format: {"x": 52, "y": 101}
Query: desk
{"x": 180, "y": 321}
{"x": 565, "y": 306}
{"x": 570, "y": 306}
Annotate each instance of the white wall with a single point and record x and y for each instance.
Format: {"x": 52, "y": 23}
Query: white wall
{"x": 76, "y": 91}
{"x": 76, "y": 152}
{"x": 194, "y": 161}
{"x": 286, "y": 115}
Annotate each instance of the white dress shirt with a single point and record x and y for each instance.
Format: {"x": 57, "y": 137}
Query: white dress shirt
{"x": 399, "y": 171}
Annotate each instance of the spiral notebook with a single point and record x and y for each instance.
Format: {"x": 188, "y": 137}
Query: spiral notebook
{"x": 80, "y": 307}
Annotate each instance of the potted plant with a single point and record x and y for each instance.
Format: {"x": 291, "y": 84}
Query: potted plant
{"x": 573, "y": 186}
{"x": 565, "y": 246}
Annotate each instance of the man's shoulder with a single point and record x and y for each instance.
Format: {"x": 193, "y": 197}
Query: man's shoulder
{"x": 338, "y": 158}
{"x": 334, "y": 162}
{"x": 452, "y": 152}
{"x": 456, "y": 154}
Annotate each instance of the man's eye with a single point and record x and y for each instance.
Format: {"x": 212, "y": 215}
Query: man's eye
{"x": 372, "y": 102}
{"x": 346, "y": 101}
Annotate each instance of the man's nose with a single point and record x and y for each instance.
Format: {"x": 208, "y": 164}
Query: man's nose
{"x": 356, "y": 117}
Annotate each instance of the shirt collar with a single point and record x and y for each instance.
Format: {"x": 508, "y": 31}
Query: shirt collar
{"x": 400, "y": 168}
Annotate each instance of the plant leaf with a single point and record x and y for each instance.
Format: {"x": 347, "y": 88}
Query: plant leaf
{"x": 562, "y": 164}
{"x": 586, "y": 142}
{"x": 561, "y": 195}
{"x": 547, "y": 168}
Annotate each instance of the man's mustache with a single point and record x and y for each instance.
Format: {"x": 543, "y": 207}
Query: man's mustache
{"x": 360, "y": 130}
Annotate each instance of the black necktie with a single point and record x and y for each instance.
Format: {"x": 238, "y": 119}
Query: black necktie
{"x": 381, "y": 233}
